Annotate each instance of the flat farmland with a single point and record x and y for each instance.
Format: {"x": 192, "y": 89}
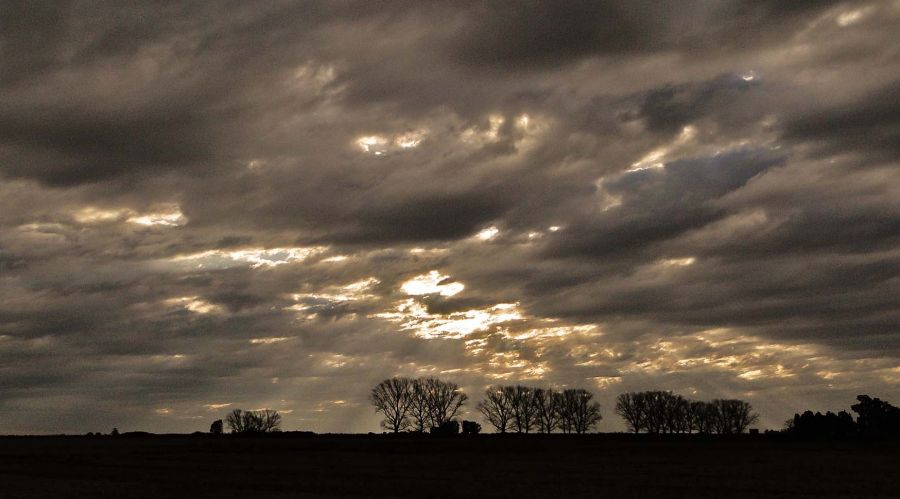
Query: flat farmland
{"x": 418, "y": 466}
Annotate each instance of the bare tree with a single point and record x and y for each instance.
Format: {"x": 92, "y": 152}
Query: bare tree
{"x": 443, "y": 399}
{"x": 419, "y": 412}
{"x": 631, "y": 407}
{"x": 524, "y": 409}
{"x": 733, "y": 416}
{"x": 702, "y": 416}
{"x": 496, "y": 407}
{"x": 578, "y": 413}
{"x": 675, "y": 413}
{"x": 261, "y": 421}
{"x": 393, "y": 398}
{"x": 546, "y": 403}
{"x": 235, "y": 421}
{"x": 666, "y": 412}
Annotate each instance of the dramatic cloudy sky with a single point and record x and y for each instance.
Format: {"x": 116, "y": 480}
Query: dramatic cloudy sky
{"x": 270, "y": 204}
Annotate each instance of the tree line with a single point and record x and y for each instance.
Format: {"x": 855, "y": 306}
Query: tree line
{"x": 875, "y": 418}
{"x": 430, "y": 404}
{"x": 418, "y": 404}
{"x": 666, "y": 412}
{"x": 240, "y": 421}
{"x": 524, "y": 409}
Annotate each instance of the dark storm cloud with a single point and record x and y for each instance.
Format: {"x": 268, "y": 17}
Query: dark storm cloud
{"x": 523, "y": 36}
{"x": 657, "y": 204}
{"x": 217, "y": 205}
{"x": 871, "y": 123}
{"x": 670, "y": 108}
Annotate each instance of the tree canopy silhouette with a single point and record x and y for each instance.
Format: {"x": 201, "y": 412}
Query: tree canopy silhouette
{"x": 666, "y": 412}
{"x": 418, "y": 404}
{"x": 393, "y": 397}
{"x": 523, "y": 409}
{"x": 261, "y": 421}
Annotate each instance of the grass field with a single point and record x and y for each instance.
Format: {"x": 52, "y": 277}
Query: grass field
{"x": 409, "y": 466}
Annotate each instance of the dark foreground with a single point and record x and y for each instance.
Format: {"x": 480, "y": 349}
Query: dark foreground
{"x": 484, "y": 466}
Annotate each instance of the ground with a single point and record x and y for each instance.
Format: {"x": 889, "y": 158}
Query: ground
{"x": 409, "y": 466}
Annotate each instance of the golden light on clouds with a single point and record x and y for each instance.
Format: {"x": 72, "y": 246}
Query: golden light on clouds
{"x": 380, "y": 145}
{"x": 431, "y": 283}
{"x": 255, "y": 257}
{"x": 487, "y": 234}
{"x": 166, "y": 216}
{"x": 195, "y": 304}
{"x": 412, "y": 315}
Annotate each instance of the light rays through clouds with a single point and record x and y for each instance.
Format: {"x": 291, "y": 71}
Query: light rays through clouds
{"x": 213, "y": 206}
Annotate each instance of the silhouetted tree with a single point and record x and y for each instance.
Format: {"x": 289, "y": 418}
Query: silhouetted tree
{"x": 114, "y": 432}
{"x": 235, "y": 421}
{"x": 821, "y": 425}
{"x": 419, "y": 411}
{"x": 524, "y": 409}
{"x": 677, "y": 414}
{"x": 216, "y": 427}
{"x": 577, "y": 413}
{"x": 733, "y": 416}
{"x": 496, "y": 407}
{"x": 703, "y": 416}
{"x": 470, "y": 428}
{"x": 666, "y": 412}
{"x": 443, "y": 399}
{"x": 876, "y": 417}
{"x": 631, "y": 406}
{"x": 262, "y": 421}
{"x": 546, "y": 404}
{"x": 393, "y": 397}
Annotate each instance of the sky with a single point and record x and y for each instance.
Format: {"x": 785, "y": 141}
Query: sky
{"x": 216, "y": 205}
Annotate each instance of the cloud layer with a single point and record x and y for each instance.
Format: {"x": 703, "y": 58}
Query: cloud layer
{"x": 221, "y": 205}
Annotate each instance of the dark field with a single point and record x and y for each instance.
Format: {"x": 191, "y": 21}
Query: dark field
{"x": 484, "y": 466}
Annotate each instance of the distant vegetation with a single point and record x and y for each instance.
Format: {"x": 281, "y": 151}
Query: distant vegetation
{"x": 262, "y": 421}
{"x": 666, "y": 412}
{"x": 524, "y": 409}
{"x": 419, "y": 404}
{"x": 875, "y": 418}
{"x": 431, "y": 405}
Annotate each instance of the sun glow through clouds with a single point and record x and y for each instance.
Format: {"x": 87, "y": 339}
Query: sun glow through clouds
{"x": 414, "y": 316}
{"x": 255, "y": 257}
{"x": 431, "y": 283}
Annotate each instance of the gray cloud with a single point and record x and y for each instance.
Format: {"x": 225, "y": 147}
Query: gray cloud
{"x": 212, "y": 206}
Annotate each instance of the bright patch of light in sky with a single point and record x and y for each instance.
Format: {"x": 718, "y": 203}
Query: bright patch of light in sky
{"x": 195, "y": 304}
{"x": 337, "y": 294}
{"x": 431, "y": 283}
{"x": 409, "y": 140}
{"x": 380, "y": 145}
{"x": 268, "y": 341}
{"x": 414, "y": 316}
{"x": 678, "y": 262}
{"x": 172, "y": 218}
{"x": 373, "y": 144}
{"x": 658, "y": 157}
{"x": 255, "y": 257}
{"x": 845, "y": 19}
{"x": 488, "y": 233}
{"x": 96, "y": 215}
